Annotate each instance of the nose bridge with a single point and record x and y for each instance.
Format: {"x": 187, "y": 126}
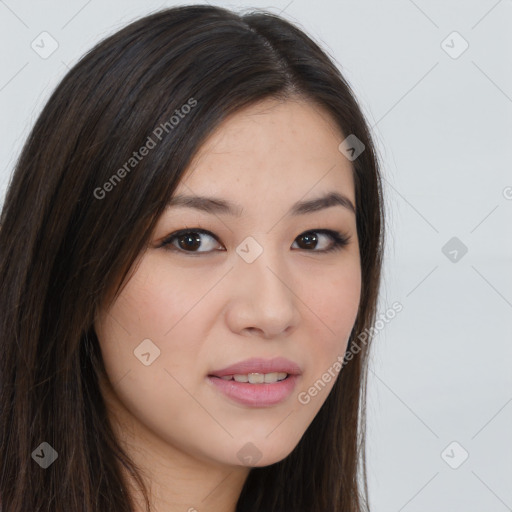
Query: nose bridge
{"x": 264, "y": 280}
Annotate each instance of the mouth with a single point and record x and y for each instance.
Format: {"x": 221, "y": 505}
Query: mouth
{"x": 257, "y": 382}
{"x": 256, "y": 378}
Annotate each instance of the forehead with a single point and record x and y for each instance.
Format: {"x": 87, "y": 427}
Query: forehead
{"x": 272, "y": 151}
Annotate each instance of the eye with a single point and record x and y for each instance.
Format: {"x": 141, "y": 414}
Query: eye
{"x": 190, "y": 241}
{"x": 310, "y": 239}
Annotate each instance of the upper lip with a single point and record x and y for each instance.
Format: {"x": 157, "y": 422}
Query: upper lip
{"x": 258, "y": 365}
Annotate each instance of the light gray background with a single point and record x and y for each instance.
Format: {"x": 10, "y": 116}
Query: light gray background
{"x": 441, "y": 368}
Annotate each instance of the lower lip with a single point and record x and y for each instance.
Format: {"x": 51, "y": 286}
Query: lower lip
{"x": 256, "y": 395}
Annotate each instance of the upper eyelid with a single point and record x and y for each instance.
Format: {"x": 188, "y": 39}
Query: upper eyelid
{"x": 191, "y": 230}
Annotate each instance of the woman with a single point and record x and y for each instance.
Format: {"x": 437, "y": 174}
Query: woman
{"x": 191, "y": 248}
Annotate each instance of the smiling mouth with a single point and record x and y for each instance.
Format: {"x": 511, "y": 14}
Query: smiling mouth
{"x": 256, "y": 378}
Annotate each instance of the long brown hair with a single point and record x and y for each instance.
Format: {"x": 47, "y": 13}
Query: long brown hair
{"x": 71, "y": 231}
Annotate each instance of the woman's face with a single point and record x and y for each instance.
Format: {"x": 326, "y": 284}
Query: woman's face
{"x": 260, "y": 282}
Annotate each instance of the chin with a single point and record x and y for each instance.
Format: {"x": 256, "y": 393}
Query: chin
{"x": 253, "y": 454}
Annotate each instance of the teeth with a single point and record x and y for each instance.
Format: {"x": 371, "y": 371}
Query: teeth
{"x": 257, "y": 378}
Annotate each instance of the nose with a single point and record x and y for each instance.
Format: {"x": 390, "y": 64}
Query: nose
{"x": 263, "y": 302}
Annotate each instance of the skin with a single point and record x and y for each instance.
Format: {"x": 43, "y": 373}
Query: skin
{"x": 207, "y": 310}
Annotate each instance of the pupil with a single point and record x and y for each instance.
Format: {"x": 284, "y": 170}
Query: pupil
{"x": 311, "y": 239}
{"x": 192, "y": 239}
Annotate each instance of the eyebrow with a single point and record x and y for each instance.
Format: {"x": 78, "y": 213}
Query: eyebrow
{"x": 221, "y": 206}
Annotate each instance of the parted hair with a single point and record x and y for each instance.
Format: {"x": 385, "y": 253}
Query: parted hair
{"x": 64, "y": 250}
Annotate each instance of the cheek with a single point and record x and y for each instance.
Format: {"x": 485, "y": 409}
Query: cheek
{"x": 334, "y": 304}
{"x": 150, "y": 317}
{"x": 335, "y": 301}
{"x": 158, "y": 300}
{"x": 159, "y": 312}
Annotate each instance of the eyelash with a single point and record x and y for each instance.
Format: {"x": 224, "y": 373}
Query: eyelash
{"x": 339, "y": 240}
